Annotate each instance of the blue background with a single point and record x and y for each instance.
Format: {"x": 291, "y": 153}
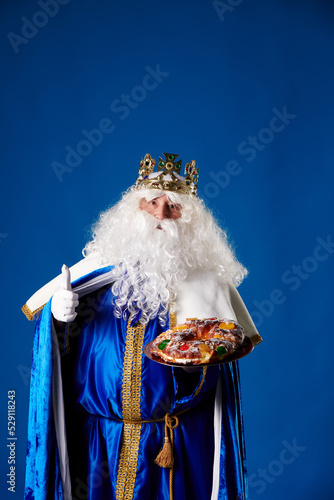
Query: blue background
{"x": 225, "y": 72}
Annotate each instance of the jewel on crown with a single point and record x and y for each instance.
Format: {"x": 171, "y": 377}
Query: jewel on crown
{"x": 168, "y": 176}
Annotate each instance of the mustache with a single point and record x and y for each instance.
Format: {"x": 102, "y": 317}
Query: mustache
{"x": 147, "y": 223}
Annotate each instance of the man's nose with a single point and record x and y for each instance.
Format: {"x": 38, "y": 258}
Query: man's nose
{"x": 161, "y": 211}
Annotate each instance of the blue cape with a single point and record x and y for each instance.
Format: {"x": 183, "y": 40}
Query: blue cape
{"x": 43, "y": 470}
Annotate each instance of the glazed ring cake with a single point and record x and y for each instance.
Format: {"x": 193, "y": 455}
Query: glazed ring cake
{"x": 198, "y": 341}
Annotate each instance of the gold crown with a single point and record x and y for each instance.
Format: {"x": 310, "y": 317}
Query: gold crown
{"x": 168, "y": 175}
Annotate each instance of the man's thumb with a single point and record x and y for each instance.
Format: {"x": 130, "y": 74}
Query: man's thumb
{"x": 66, "y": 278}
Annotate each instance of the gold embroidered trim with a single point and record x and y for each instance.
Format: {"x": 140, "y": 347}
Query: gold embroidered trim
{"x": 28, "y": 313}
{"x": 256, "y": 339}
{"x": 131, "y": 387}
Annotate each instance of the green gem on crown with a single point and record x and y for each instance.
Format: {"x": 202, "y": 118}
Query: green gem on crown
{"x": 149, "y": 178}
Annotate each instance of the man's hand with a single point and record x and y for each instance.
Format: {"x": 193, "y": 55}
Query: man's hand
{"x": 64, "y": 301}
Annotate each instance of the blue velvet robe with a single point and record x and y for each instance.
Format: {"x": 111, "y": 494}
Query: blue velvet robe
{"x": 101, "y": 388}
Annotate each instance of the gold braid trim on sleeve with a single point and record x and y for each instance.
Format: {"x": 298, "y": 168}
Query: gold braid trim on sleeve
{"x": 28, "y": 313}
{"x": 256, "y": 339}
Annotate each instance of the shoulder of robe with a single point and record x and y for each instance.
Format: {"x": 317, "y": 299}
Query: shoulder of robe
{"x": 37, "y": 301}
{"x": 205, "y": 294}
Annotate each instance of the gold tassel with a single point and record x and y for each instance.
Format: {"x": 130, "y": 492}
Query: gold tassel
{"x": 165, "y": 457}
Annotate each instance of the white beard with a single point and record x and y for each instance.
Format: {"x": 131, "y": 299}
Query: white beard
{"x": 149, "y": 262}
{"x": 150, "y": 266}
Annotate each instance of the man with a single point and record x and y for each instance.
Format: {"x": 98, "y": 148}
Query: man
{"x": 100, "y": 414}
